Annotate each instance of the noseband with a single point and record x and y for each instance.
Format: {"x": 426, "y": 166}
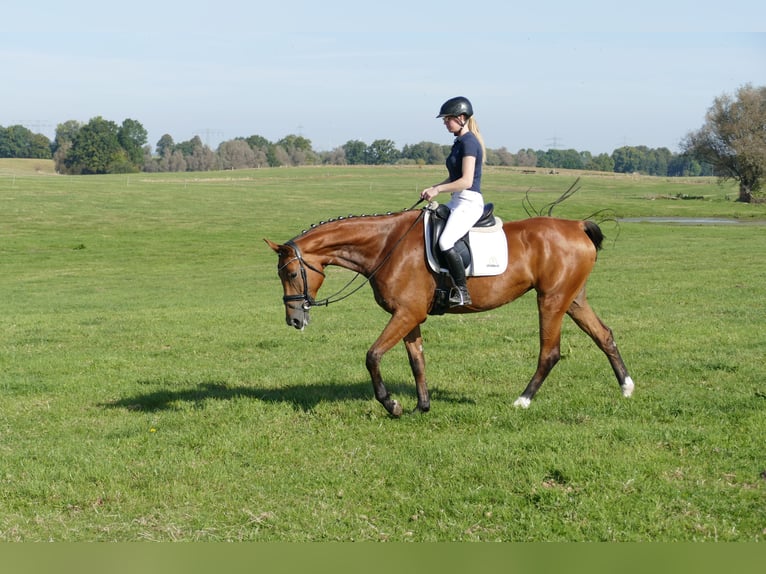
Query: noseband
{"x": 306, "y": 298}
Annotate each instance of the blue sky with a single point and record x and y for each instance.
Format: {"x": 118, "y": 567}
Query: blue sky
{"x": 589, "y": 75}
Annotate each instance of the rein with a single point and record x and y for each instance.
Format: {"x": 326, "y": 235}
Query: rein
{"x": 308, "y": 300}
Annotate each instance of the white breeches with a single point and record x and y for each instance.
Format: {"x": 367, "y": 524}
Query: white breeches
{"x": 466, "y": 208}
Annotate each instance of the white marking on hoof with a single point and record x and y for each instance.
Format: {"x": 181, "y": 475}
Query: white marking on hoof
{"x": 627, "y": 387}
{"x": 522, "y": 402}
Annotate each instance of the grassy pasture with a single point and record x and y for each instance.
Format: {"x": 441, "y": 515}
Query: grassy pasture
{"x": 149, "y": 389}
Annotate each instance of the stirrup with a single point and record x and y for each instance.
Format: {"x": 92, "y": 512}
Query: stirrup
{"x": 459, "y": 297}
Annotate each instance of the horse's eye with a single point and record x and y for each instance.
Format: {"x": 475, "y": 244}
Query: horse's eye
{"x": 293, "y": 275}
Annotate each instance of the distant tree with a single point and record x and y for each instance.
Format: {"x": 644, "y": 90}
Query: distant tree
{"x": 503, "y": 157}
{"x": 491, "y": 157}
{"x": 40, "y": 147}
{"x": 236, "y": 154}
{"x": 176, "y": 161}
{"x": 658, "y": 160}
{"x": 195, "y": 154}
{"x": 150, "y": 163}
{"x": 555, "y": 158}
{"x": 19, "y": 142}
{"x": 258, "y": 142}
{"x": 95, "y": 148}
{"x": 572, "y": 159}
{"x": 602, "y": 162}
{"x": 66, "y": 132}
{"x": 356, "y": 152}
{"x": 278, "y": 156}
{"x": 292, "y": 141}
{"x": 683, "y": 165}
{"x": 132, "y": 137}
{"x": 262, "y": 148}
{"x": 427, "y": 153}
{"x": 526, "y": 158}
{"x": 381, "y": 152}
{"x": 198, "y": 156}
{"x": 187, "y": 147}
{"x": 165, "y": 145}
{"x": 334, "y": 157}
{"x": 9, "y": 147}
{"x": 261, "y": 158}
{"x": 626, "y": 159}
{"x": 298, "y": 150}
{"x": 733, "y": 139}
{"x": 62, "y": 143}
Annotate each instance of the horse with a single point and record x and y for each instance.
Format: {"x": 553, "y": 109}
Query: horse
{"x": 550, "y": 255}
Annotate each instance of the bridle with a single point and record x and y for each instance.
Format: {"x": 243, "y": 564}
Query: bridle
{"x": 307, "y": 301}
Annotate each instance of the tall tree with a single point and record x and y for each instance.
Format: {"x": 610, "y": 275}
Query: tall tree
{"x": 165, "y": 145}
{"x": 298, "y": 150}
{"x": 627, "y": 159}
{"x": 526, "y": 157}
{"x": 132, "y": 137}
{"x": 382, "y": 152}
{"x": 236, "y": 154}
{"x": 62, "y": 143}
{"x": 262, "y": 148}
{"x": 198, "y": 156}
{"x": 95, "y": 148}
{"x": 355, "y": 151}
{"x": 602, "y": 162}
{"x": 256, "y": 141}
{"x": 65, "y": 133}
{"x": 733, "y": 139}
{"x": 19, "y": 142}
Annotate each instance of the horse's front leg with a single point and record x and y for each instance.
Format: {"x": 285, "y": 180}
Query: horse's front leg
{"x": 394, "y": 332}
{"x": 413, "y": 342}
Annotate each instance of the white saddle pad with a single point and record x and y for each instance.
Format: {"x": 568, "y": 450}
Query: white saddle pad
{"x": 489, "y": 250}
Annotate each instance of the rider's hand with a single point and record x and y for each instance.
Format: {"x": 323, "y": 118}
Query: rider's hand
{"x": 429, "y": 193}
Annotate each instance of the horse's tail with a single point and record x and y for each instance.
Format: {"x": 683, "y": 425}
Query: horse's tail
{"x": 593, "y": 231}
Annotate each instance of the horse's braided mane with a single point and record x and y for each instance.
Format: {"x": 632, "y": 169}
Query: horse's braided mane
{"x": 351, "y": 216}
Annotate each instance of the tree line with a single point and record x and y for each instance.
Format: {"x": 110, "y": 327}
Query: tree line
{"x": 102, "y": 146}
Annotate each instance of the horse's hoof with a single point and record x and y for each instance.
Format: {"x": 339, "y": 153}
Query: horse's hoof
{"x": 627, "y": 387}
{"x": 396, "y": 409}
{"x": 522, "y": 402}
{"x": 418, "y": 410}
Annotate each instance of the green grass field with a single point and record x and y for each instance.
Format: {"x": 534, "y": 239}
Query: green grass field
{"x": 150, "y": 390}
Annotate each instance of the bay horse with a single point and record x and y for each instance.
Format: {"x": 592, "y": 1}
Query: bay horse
{"x": 553, "y": 256}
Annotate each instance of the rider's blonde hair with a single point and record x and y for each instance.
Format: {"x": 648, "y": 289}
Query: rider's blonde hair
{"x": 473, "y": 127}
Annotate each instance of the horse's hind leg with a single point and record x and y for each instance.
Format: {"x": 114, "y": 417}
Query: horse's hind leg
{"x": 551, "y": 317}
{"x": 585, "y": 318}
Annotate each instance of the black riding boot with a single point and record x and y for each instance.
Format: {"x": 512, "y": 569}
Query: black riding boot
{"x": 460, "y": 295}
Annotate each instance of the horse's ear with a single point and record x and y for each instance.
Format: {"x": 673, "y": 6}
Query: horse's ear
{"x": 273, "y": 245}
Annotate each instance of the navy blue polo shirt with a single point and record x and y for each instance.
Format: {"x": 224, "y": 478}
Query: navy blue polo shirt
{"x": 465, "y": 145}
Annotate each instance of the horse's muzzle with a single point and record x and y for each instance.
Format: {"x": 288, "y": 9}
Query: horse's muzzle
{"x": 297, "y": 318}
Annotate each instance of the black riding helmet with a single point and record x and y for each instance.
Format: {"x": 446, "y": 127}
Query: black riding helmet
{"x": 455, "y": 107}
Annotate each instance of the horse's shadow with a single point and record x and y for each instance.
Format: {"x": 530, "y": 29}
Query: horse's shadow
{"x": 304, "y": 397}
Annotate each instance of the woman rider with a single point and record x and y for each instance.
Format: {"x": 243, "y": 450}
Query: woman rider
{"x": 463, "y": 181}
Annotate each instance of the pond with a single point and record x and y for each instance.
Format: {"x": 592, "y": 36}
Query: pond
{"x": 691, "y": 220}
